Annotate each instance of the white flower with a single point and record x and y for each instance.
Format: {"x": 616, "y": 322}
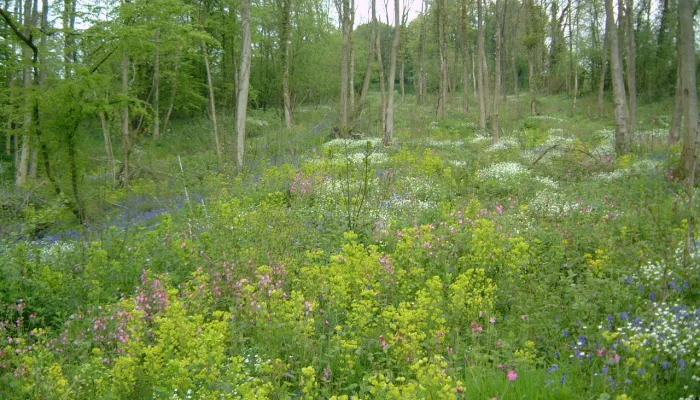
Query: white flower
{"x": 503, "y": 171}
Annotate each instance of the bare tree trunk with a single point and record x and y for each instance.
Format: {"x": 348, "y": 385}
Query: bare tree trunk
{"x": 576, "y": 64}
{"x": 378, "y": 52}
{"x": 388, "y": 137}
{"x": 108, "y": 144}
{"x": 10, "y": 119}
{"x": 631, "y": 69}
{"x": 212, "y": 104}
{"x": 23, "y": 168}
{"x": 402, "y": 81}
{"x": 497, "y": 81}
{"x": 423, "y": 61}
{"x": 603, "y": 71}
{"x": 474, "y": 70}
{"x": 686, "y": 48}
{"x": 351, "y": 42}
{"x": 442, "y": 46}
{"x": 126, "y": 135}
{"x": 244, "y": 83}
{"x": 173, "y": 91}
{"x": 454, "y": 74}
{"x": 482, "y": 73}
{"x": 531, "y": 54}
{"x": 156, "y": 87}
{"x": 286, "y": 36}
{"x": 465, "y": 56}
{"x": 674, "y": 134}
{"x": 368, "y": 71}
{"x": 344, "y": 73}
{"x": 622, "y": 144}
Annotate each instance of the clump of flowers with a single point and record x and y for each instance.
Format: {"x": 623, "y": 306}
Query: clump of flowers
{"x": 673, "y": 330}
{"x": 504, "y": 171}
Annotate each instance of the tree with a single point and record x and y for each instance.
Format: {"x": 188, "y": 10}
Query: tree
{"x": 440, "y": 18}
{"x": 243, "y": 83}
{"x": 622, "y": 138}
{"x": 631, "y": 66}
{"x": 483, "y": 71}
{"x": 686, "y": 55}
{"x": 388, "y": 136}
{"x": 495, "y": 123}
{"x": 285, "y": 35}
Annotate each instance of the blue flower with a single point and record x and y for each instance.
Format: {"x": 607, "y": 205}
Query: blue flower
{"x": 583, "y": 340}
{"x": 553, "y": 368}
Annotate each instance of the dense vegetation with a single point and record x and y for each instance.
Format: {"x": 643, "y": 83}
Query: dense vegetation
{"x": 498, "y": 226}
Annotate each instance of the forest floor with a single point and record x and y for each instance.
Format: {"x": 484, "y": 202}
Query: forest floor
{"x": 446, "y": 266}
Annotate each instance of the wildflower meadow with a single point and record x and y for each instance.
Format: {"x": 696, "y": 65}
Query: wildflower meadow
{"x": 446, "y": 266}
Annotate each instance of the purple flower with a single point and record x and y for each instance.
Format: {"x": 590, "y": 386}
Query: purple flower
{"x": 553, "y": 368}
{"x": 582, "y": 340}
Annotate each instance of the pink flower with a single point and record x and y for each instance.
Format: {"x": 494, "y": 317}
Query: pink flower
{"x": 183, "y": 245}
{"x": 512, "y": 375}
{"x": 476, "y": 328}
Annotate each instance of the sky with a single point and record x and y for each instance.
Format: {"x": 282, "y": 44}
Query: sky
{"x": 363, "y": 13}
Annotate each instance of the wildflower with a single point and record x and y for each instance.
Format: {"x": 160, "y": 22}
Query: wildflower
{"x": 183, "y": 245}
{"x": 476, "y": 328}
{"x": 512, "y": 375}
{"x": 553, "y": 368}
{"x": 523, "y": 317}
{"x": 492, "y": 320}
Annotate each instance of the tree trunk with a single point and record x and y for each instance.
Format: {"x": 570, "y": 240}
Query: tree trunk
{"x": 156, "y": 87}
{"x": 344, "y": 73}
{"x": 575, "y": 66}
{"x": 126, "y": 135}
{"x": 243, "y": 84}
{"x": 423, "y": 61}
{"x": 382, "y": 87}
{"x": 622, "y": 144}
{"x": 286, "y": 37}
{"x": 212, "y": 104}
{"x": 388, "y": 136}
{"x": 497, "y": 81}
{"x": 10, "y": 118}
{"x": 351, "y": 66}
{"x": 465, "y": 57}
{"x": 482, "y": 73}
{"x": 173, "y": 91}
{"x": 603, "y": 71}
{"x": 674, "y": 134}
{"x": 23, "y": 167}
{"x": 402, "y": 81}
{"x": 686, "y": 48}
{"x": 368, "y": 71}
{"x": 631, "y": 69}
{"x": 108, "y": 144}
{"x": 442, "y": 46}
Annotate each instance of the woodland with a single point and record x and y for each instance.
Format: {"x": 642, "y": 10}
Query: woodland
{"x": 348, "y": 199}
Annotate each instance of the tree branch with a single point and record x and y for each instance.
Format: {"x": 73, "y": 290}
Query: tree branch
{"x": 28, "y": 40}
